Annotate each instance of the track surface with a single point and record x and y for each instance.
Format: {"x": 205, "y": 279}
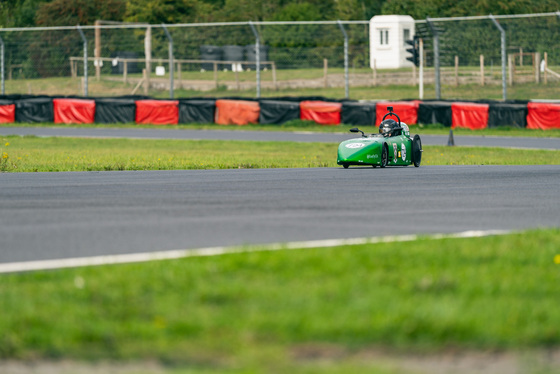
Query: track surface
{"x": 61, "y": 215}
{"x": 103, "y": 132}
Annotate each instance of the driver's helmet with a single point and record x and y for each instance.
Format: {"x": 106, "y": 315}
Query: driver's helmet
{"x": 387, "y": 126}
{"x": 405, "y": 129}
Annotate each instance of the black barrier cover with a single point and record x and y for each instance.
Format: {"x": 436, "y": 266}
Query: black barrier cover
{"x": 430, "y": 112}
{"x": 356, "y": 113}
{"x": 115, "y": 110}
{"x": 6, "y": 102}
{"x": 197, "y": 110}
{"x": 278, "y": 111}
{"x": 36, "y": 109}
{"x": 507, "y": 114}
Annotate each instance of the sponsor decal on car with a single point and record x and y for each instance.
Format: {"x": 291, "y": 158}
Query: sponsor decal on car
{"x": 403, "y": 152}
{"x": 355, "y": 145}
{"x": 395, "y": 152}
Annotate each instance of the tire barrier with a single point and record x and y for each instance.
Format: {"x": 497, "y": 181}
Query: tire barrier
{"x": 406, "y": 110}
{"x": 34, "y": 109}
{"x": 236, "y": 112}
{"x": 507, "y": 114}
{"x": 275, "y": 111}
{"x": 358, "y": 113}
{"x": 197, "y": 110}
{"x": 157, "y": 112}
{"x": 110, "y": 110}
{"x": 7, "y": 111}
{"x": 469, "y": 115}
{"x": 434, "y": 112}
{"x": 321, "y": 112}
{"x": 74, "y": 111}
{"x": 543, "y": 116}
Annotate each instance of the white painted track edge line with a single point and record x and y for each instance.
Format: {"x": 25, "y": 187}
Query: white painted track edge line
{"x": 14, "y": 267}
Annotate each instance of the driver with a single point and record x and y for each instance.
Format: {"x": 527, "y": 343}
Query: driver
{"x": 386, "y": 127}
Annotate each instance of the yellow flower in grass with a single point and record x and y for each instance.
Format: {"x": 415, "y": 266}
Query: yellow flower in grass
{"x": 4, "y": 155}
{"x": 557, "y": 259}
{"x": 7, "y": 144}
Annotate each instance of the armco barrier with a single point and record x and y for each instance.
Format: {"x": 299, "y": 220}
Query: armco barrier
{"x": 469, "y": 115}
{"x": 143, "y": 110}
{"x": 543, "y": 116}
{"x": 73, "y": 110}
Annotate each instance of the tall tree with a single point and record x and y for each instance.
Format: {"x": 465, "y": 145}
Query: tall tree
{"x": 50, "y": 50}
{"x": 161, "y": 11}
{"x": 18, "y": 13}
{"x": 84, "y": 12}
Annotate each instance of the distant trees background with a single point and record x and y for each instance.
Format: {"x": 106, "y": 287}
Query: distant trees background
{"x": 28, "y": 13}
{"x": 302, "y": 46}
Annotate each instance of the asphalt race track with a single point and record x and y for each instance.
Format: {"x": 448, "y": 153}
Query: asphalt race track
{"x": 78, "y": 214}
{"x": 172, "y": 133}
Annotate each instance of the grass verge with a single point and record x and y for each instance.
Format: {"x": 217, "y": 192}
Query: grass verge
{"x": 310, "y": 126}
{"x": 307, "y": 311}
{"x": 114, "y": 86}
{"x": 33, "y": 154}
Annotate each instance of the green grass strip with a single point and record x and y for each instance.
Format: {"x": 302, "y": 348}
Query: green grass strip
{"x": 260, "y": 309}
{"x": 33, "y": 154}
{"x": 310, "y": 126}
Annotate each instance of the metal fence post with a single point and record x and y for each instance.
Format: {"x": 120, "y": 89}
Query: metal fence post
{"x": 171, "y": 63}
{"x": 257, "y": 57}
{"x": 346, "y": 80}
{"x": 2, "y": 65}
{"x": 421, "y": 73}
{"x": 85, "y": 60}
{"x": 436, "y": 57}
{"x": 503, "y": 34}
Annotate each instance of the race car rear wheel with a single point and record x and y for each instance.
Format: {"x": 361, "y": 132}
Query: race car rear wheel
{"x": 384, "y": 156}
{"x": 345, "y": 166}
{"x": 416, "y": 150}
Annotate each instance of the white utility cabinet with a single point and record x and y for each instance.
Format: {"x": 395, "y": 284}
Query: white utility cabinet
{"x": 387, "y": 36}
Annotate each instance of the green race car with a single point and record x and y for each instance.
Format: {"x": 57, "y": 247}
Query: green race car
{"x": 393, "y": 146}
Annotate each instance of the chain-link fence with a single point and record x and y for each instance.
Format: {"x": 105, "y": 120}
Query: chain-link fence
{"x": 509, "y": 56}
{"x": 302, "y": 58}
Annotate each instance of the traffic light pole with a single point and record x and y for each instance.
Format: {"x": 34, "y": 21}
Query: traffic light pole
{"x": 416, "y": 57}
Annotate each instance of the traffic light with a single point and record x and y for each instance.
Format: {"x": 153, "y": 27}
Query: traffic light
{"x": 414, "y": 51}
